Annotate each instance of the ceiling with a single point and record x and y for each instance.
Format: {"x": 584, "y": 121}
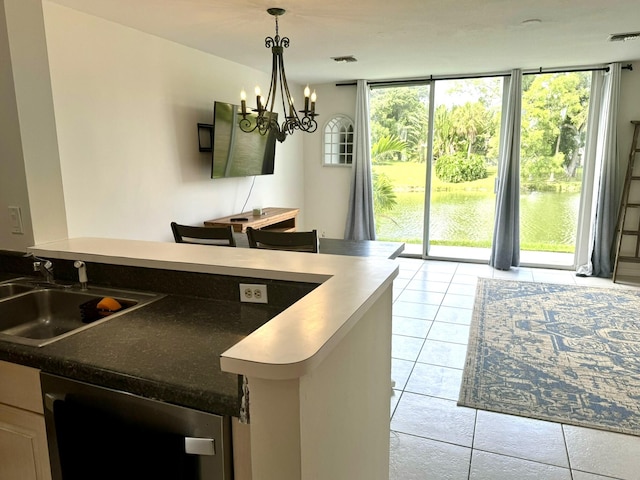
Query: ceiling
{"x": 391, "y": 39}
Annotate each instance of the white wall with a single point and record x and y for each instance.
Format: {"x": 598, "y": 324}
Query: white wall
{"x": 327, "y": 188}
{"x": 629, "y": 109}
{"x": 30, "y": 169}
{"x": 127, "y": 104}
{"x": 13, "y": 178}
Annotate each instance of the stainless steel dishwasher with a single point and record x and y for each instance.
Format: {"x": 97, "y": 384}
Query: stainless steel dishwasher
{"x": 98, "y": 433}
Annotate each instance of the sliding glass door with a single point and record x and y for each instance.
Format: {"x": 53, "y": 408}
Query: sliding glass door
{"x": 463, "y": 167}
{"x": 555, "y": 109}
{"x": 438, "y": 200}
{"x": 399, "y": 152}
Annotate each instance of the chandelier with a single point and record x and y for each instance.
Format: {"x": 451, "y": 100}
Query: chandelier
{"x": 266, "y": 120}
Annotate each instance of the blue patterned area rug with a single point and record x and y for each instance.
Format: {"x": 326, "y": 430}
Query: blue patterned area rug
{"x": 555, "y": 352}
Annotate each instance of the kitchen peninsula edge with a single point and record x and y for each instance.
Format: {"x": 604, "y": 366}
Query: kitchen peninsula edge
{"x": 318, "y": 373}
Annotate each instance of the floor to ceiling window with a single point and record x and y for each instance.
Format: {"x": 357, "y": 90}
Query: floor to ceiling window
{"x": 399, "y": 151}
{"x": 464, "y": 165}
{"x": 554, "y": 122}
{"x": 439, "y": 197}
{"x": 448, "y": 207}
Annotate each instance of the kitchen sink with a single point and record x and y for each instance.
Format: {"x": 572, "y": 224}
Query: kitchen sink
{"x": 39, "y": 315}
{"x": 11, "y": 289}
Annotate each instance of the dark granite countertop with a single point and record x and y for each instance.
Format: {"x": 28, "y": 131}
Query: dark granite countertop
{"x": 167, "y": 350}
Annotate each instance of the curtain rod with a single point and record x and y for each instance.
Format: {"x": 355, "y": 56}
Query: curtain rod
{"x": 430, "y": 78}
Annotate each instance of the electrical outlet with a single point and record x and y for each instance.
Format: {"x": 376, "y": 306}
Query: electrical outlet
{"x": 16, "y": 220}
{"x": 253, "y": 293}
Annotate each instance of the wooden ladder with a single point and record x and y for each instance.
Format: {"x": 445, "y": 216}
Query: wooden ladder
{"x": 628, "y": 227}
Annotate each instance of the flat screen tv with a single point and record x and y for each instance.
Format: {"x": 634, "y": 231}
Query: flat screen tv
{"x": 237, "y": 153}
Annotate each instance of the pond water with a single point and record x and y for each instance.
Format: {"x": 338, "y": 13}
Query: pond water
{"x": 547, "y": 219}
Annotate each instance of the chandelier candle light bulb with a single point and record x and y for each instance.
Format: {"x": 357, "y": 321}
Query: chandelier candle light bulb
{"x": 267, "y": 120}
{"x": 258, "y": 99}
{"x": 307, "y": 92}
{"x": 243, "y": 101}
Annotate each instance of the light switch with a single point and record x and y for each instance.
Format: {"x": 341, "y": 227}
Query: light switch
{"x": 16, "y": 220}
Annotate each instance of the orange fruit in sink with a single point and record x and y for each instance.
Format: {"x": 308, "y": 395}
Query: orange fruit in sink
{"x": 109, "y": 304}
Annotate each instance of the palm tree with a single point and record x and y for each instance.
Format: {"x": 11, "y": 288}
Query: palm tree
{"x": 385, "y": 147}
{"x": 384, "y": 197}
{"x": 444, "y": 133}
{"x": 471, "y": 120}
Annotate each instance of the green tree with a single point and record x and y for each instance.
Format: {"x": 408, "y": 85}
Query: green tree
{"x": 474, "y": 105}
{"x": 444, "y": 135}
{"x": 539, "y": 168}
{"x": 554, "y": 117}
{"x": 469, "y": 119}
{"x": 384, "y": 197}
{"x": 472, "y": 124}
{"x": 401, "y": 112}
{"x": 385, "y": 147}
{"x": 459, "y": 168}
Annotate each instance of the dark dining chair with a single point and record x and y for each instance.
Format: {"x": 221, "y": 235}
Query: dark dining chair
{"x": 203, "y": 235}
{"x": 274, "y": 240}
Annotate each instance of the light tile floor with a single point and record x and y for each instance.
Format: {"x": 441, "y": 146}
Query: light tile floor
{"x": 432, "y": 438}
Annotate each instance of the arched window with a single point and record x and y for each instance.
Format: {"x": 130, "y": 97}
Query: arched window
{"x": 338, "y": 141}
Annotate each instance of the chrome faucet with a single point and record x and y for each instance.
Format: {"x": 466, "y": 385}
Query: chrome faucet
{"x": 46, "y": 268}
{"x": 43, "y": 266}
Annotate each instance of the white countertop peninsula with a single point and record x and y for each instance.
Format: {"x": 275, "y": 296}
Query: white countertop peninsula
{"x": 318, "y": 373}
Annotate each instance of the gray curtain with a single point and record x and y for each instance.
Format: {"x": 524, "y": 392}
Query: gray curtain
{"x": 360, "y": 221}
{"x": 505, "y": 248}
{"x": 602, "y": 150}
{"x": 590, "y": 182}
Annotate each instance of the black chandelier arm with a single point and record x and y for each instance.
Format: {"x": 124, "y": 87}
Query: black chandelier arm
{"x": 277, "y": 41}
{"x": 246, "y": 125}
{"x": 266, "y": 122}
{"x": 285, "y": 95}
{"x": 308, "y": 123}
{"x": 271, "y": 95}
{"x": 289, "y": 125}
{"x": 266, "y": 119}
{"x": 271, "y": 42}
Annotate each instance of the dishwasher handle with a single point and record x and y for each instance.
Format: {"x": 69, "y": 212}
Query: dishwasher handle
{"x": 51, "y": 398}
{"x": 200, "y": 446}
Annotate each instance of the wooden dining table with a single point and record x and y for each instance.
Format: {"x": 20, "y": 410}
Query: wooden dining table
{"x": 337, "y": 246}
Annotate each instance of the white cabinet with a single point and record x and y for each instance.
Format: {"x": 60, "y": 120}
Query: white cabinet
{"x": 241, "y": 450}
{"x": 23, "y": 440}
{"x": 23, "y": 445}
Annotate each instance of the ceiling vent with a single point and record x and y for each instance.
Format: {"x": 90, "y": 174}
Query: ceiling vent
{"x": 345, "y": 59}
{"x": 623, "y": 37}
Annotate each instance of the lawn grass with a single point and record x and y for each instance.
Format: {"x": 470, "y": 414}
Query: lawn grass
{"x": 410, "y": 176}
